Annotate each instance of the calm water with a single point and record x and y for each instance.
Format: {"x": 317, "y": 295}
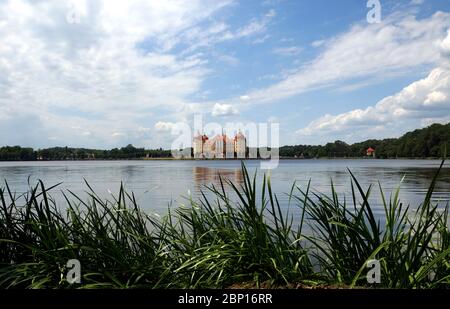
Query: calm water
{"x": 156, "y": 183}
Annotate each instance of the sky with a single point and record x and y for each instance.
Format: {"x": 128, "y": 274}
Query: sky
{"x": 107, "y": 73}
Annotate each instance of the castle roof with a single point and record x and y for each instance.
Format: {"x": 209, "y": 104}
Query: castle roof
{"x": 222, "y": 137}
{"x": 239, "y": 136}
{"x": 201, "y": 137}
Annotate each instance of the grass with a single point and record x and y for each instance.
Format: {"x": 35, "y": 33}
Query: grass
{"x": 219, "y": 241}
{"x": 411, "y": 247}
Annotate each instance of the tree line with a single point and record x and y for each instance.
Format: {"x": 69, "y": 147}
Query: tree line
{"x": 18, "y": 153}
{"x": 428, "y": 142}
{"x": 422, "y": 143}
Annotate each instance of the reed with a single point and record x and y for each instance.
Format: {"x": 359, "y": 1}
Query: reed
{"x": 412, "y": 245}
{"x": 232, "y": 235}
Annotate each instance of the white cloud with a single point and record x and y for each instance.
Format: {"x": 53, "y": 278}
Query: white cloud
{"x": 118, "y": 134}
{"x": 288, "y": 51}
{"x": 220, "y": 32}
{"x": 252, "y": 28}
{"x": 425, "y": 98}
{"x": 261, "y": 40}
{"x": 417, "y": 2}
{"x": 272, "y": 13}
{"x": 399, "y": 44}
{"x": 436, "y": 97}
{"x": 318, "y": 43}
{"x": 95, "y": 74}
{"x": 162, "y": 126}
{"x": 445, "y": 45}
{"x": 118, "y": 68}
{"x": 417, "y": 103}
{"x": 144, "y": 130}
{"x": 223, "y": 110}
{"x": 256, "y": 26}
{"x": 231, "y": 60}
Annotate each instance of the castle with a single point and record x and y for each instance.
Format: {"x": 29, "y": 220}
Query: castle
{"x": 220, "y": 146}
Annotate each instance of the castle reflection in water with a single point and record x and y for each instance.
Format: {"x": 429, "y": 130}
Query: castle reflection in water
{"x": 211, "y": 176}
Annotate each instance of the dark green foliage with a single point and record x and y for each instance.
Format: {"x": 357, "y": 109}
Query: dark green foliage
{"x": 18, "y": 153}
{"x": 225, "y": 242}
{"x": 235, "y": 236}
{"x": 111, "y": 240}
{"x": 423, "y": 143}
{"x": 410, "y": 245}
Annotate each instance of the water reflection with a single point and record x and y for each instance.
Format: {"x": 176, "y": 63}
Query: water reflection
{"x": 158, "y": 183}
{"x": 211, "y": 176}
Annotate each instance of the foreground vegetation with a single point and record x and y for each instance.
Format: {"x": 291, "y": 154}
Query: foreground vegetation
{"x": 215, "y": 242}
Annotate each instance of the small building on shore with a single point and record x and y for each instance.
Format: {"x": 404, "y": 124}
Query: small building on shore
{"x": 370, "y": 152}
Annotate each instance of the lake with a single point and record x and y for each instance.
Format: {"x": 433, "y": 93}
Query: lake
{"x": 157, "y": 183}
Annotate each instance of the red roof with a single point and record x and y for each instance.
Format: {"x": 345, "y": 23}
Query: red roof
{"x": 370, "y": 149}
{"x": 223, "y": 137}
{"x": 202, "y": 137}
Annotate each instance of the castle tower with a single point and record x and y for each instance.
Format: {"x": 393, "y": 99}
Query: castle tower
{"x": 199, "y": 145}
{"x": 240, "y": 145}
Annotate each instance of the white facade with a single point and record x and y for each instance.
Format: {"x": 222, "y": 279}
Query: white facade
{"x": 220, "y": 147}
{"x": 198, "y": 147}
{"x": 240, "y": 145}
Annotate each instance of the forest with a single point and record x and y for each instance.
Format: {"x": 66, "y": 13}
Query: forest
{"x": 130, "y": 152}
{"x": 429, "y": 142}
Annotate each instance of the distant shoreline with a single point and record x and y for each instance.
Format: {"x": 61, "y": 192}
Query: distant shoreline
{"x": 428, "y": 143}
{"x": 246, "y": 159}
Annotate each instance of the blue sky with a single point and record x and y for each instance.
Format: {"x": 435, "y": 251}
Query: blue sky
{"x": 107, "y": 73}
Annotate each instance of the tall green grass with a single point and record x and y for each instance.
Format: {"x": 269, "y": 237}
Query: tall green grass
{"x": 232, "y": 235}
{"x": 112, "y": 241}
{"x": 220, "y": 242}
{"x": 412, "y": 246}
